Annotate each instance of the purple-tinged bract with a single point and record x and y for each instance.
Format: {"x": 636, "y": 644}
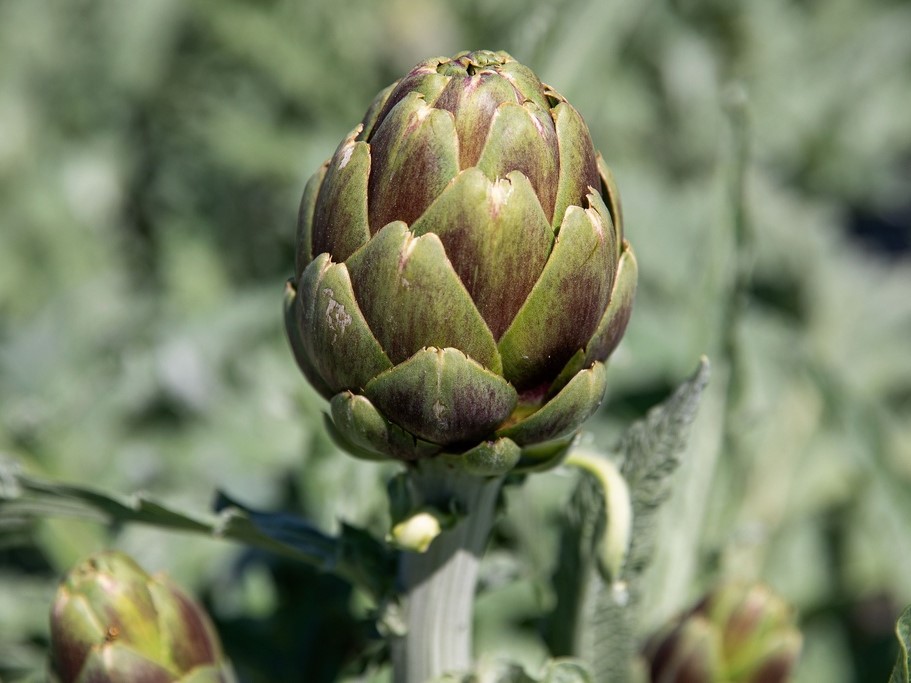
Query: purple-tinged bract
{"x": 461, "y": 270}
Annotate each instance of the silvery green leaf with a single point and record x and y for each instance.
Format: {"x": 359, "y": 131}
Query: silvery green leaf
{"x": 651, "y": 449}
{"x": 592, "y": 619}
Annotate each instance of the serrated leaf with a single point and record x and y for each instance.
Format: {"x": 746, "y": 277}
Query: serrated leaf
{"x": 590, "y": 618}
{"x": 902, "y": 671}
{"x": 354, "y": 555}
{"x": 651, "y": 450}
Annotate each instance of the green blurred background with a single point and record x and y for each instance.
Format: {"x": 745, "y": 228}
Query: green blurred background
{"x": 152, "y": 154}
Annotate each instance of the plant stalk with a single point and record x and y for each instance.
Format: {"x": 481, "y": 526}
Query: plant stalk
{"x": 438, "y": 586}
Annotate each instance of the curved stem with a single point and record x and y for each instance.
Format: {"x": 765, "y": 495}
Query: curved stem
{"x": 438, "y": 586}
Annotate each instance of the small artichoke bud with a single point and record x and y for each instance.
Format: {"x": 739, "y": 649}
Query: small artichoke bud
{"x": 461, "y": 273}
{"x": 739, "y": 633}
{"x": 111, "y": 622}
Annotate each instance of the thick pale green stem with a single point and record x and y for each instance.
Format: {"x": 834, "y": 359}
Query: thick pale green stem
{"x": 438, "y": 586}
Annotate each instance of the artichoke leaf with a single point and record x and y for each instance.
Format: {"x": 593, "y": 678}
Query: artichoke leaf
{"x": 373, "y": 112}
{"x": 333, "y": 329}
{"x": 76, "y": 628}
{"x": 573, "y": 366}
{"x": 611, "y": 195}
{"x": 443, "y": 396}
{"x": 361, "y": 424}
{"x": 185, "y": 633}
{"x": 473, "y": 101}
{"x": 525, "y": 81}
{"x": 489, "y": 458}
{"x": 611, "y": 235}
{"x": 496, "y": 237}
{"x": 412, "y": 298}
{"x": 207, "y": 674}
{"x": 544, "y": 456}
{"x": 127, "y": 607}
{"x": 565, "y": 412}
{"x": 293, "y": 331}
{"x": 616, "y": 316}
{"x": 344, "y": 443}
{"x": 522, "y": 138}
{"x": 414, "y": 154}
{"x": 340, "y": 224}
{"x": 423, "y": 80}
{"x": 578, "y": 165}
{"x": 565, "y": 305}
{"x": 305, "y": 214}
{"x": 612, "y": 326}
{"x": 116, "y": 662}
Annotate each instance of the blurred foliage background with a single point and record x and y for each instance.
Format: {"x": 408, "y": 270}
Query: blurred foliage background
{"x": 152, "y": 154}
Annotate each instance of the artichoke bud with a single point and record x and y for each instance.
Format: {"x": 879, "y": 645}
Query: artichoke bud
{"x": 461, "y": 272}
{"x": 111, "y": 622}
{"x": 739, "y": 633}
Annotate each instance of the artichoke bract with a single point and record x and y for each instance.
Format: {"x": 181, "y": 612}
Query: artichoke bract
{"x": 739, "y": 633}
{"x": 461, "y": 273}
{"x": 111, "y": 622}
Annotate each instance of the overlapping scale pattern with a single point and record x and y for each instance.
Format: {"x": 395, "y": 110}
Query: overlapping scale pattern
{"x": 112, "y": 622}
{"x": 461, "y": 255}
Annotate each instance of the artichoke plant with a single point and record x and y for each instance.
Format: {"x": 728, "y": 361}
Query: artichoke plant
{"x": 461, "y": 273}
{"x": 113, "y": 623}
{"x": 739, "y": 633}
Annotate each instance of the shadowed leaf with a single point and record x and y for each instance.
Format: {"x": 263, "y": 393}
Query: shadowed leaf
{"x": 354, "y": 555}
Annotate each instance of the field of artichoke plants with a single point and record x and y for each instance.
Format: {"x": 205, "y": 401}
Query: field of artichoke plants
{"x": 397, "y": 466}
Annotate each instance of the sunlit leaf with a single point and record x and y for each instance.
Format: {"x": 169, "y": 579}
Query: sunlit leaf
{"x": 591, "y": 618}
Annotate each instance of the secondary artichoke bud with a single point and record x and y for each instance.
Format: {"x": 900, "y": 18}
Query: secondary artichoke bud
{"x": 461, "y": 269}
{"x": 113, "y": 623}
{"x": 739, "y": 633}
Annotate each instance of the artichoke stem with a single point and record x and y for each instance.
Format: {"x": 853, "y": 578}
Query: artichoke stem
{"x": 438, "y": 586}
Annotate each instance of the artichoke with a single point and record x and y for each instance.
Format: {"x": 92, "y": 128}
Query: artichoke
{"x": 461, "y": 272}
{"x": 113, "y": 623}
{"x": 739, "y": 633}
